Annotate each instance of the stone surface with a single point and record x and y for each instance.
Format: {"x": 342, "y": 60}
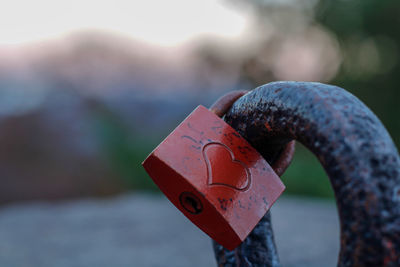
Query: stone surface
{"x": 146, "y": 230}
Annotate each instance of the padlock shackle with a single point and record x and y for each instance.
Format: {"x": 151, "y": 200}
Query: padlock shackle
{"x": 355, "y": 150}
{"x": 225, "y": 102}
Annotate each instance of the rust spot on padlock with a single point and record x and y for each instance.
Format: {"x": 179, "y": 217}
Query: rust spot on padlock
{"x": 214, "y": 177}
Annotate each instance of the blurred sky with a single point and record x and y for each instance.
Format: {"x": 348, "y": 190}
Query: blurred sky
{"x": 213, "y": 41}
{"x": 165, "y": 23}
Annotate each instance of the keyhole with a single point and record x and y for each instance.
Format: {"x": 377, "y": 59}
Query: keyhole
{"x": 191, "y": 203}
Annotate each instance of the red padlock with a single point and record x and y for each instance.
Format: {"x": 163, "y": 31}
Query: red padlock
{"x": 214, "y": 177}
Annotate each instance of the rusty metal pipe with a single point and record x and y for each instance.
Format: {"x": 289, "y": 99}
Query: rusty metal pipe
{"x": 355, "y": 150}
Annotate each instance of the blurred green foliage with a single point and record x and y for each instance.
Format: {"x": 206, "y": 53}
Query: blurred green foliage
{"x": 369, "y": 37}
{"x": 305, "y": 175}
{"x": 124, "y": 150}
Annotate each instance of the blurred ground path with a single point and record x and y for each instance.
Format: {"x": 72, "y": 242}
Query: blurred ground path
{"x": 147, "y": 231}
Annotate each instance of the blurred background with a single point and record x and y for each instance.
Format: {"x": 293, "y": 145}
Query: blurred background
{"x": 89, "y": 88}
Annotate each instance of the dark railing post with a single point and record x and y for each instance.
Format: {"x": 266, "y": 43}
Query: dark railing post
{"x": 355, "y": 150}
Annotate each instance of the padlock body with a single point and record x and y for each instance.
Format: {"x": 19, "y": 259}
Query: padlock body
{"x": 214, "y": 177}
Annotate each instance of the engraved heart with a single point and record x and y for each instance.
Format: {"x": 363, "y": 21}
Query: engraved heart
{"x": 224, "y": 169}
